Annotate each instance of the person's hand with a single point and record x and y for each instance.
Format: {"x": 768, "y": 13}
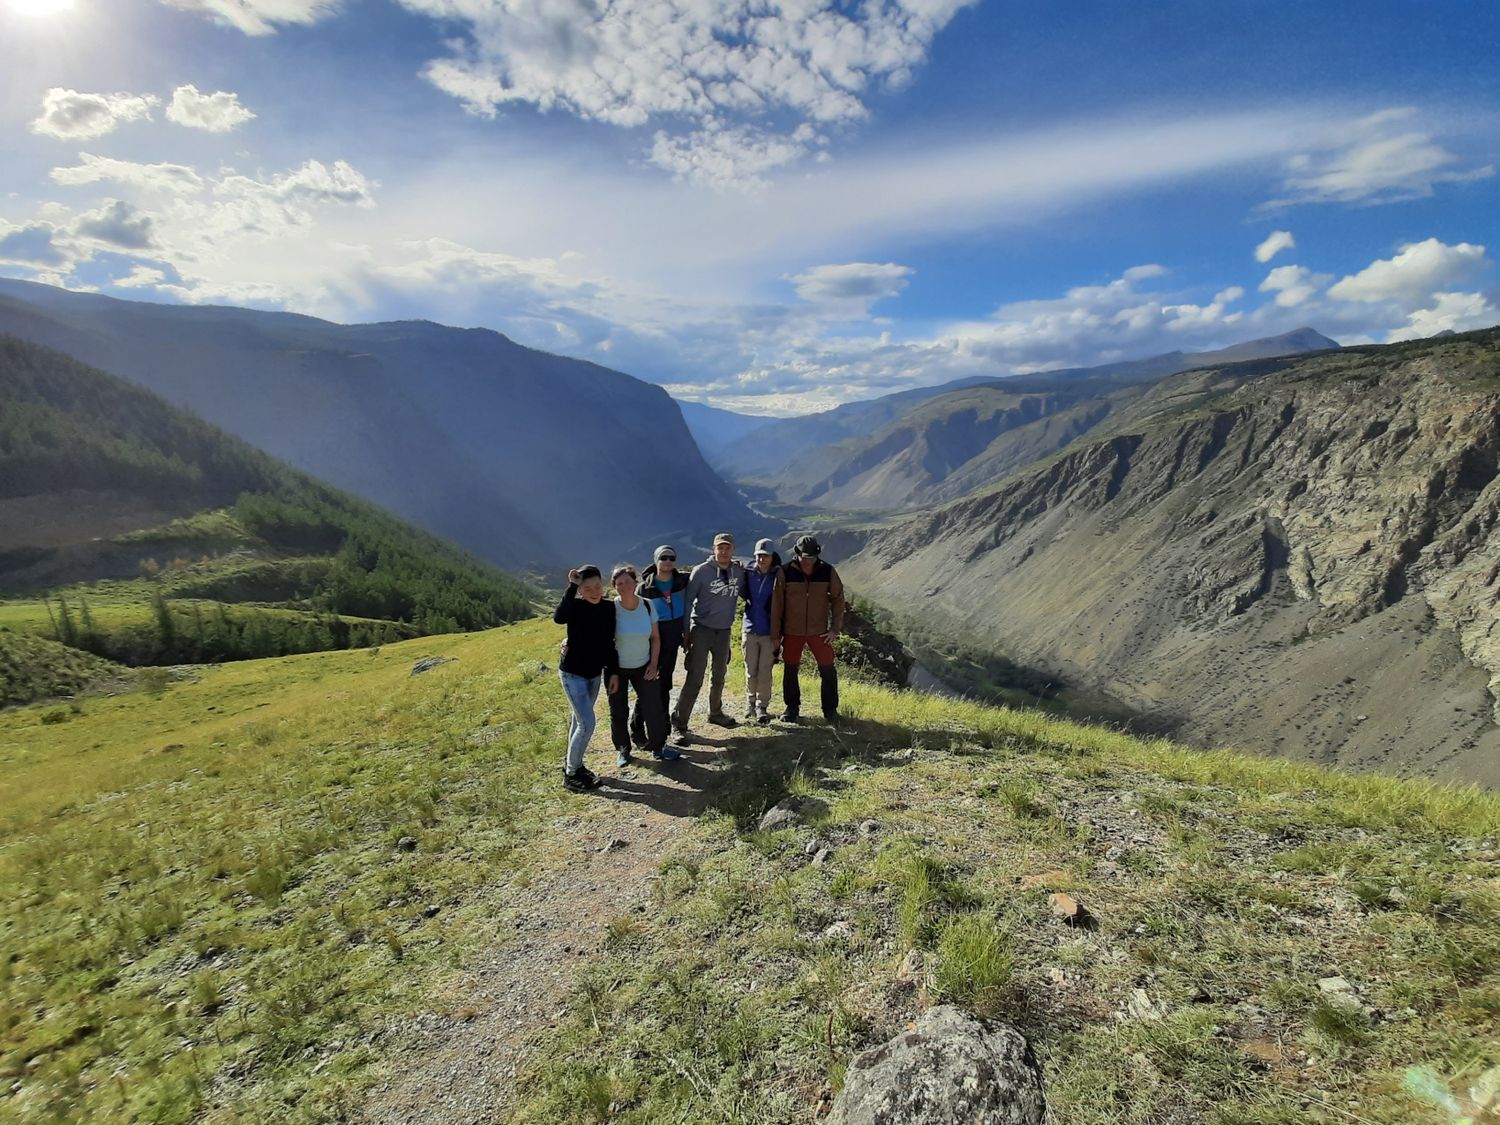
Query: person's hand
{"x": 651, "y": 670}
{"x": 830, "y": 636}
{"x": 614, "y": 684}
{"x": 686, "y": 642}
{"x": 573, "y": 577}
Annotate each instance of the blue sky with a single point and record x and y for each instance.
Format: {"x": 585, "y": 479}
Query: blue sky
{"x": 770, "y": 207}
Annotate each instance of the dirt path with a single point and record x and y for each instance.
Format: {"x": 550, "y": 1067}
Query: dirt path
{"x": 458, "y": 1066}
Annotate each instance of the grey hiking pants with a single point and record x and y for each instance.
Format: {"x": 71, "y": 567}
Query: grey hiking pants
{"x": 706, "y": 644}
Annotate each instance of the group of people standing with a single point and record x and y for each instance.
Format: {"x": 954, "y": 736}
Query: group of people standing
{"x": 633, "y": 641}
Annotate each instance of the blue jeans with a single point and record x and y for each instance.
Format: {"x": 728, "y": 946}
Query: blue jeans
{"x": 581, "y": 691}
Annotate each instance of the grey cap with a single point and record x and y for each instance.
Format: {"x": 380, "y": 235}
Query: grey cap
{"x": 765, "y": 547}
{"x": 664, "y": 549}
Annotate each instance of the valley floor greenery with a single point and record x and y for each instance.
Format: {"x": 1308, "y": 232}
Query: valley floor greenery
{"x": 217, "y": 894}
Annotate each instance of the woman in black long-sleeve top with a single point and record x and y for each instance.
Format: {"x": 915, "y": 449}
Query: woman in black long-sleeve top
{"x": 588, "y": 656}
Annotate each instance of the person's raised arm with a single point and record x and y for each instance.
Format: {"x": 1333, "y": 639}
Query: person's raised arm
{"x": 564, "y": 609}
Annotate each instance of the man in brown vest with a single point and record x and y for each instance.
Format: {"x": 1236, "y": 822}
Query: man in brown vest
{"x": 812, "y": 617}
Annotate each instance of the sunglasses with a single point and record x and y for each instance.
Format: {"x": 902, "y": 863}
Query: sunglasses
{"x": 667, "y": 558}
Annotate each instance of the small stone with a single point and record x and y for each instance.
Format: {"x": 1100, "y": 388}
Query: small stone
{"x": 1058, "y": 977}
{"x": 821, "y": 857}
{"x": 406, "y": 844}
{"x": 431, "y": 911}
{"x": 1068, "y": 908}
{"x": 1140, "y": 1006}
{"x": 1113, "y": 852}
{"x": 912, "y": 967}
{"x": 949, "y": 1067}
{"x": 814, "y": 846}
{"x": 428, "y": 663}
{"x": 869, "y": 828}
{"x": 613, "y": 844}
{"x": 839, "y": 931}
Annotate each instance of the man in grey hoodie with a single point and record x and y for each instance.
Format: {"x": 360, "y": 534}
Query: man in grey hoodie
{"x": 711, "y": 600}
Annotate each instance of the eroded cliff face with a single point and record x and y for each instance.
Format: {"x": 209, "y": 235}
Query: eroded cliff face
{"x": 1301, "y": 558}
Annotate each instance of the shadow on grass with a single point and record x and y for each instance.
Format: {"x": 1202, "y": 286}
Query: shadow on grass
{"x": 743, "y": 774}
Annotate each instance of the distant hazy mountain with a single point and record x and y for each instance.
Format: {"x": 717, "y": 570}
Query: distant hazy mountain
{"x": 1297, "y": 555}
{"x": 935, "y": 444}
{"x": 100, "y": 479}
{"x": 713, "y": 428}
{"x": 521, "y": 456}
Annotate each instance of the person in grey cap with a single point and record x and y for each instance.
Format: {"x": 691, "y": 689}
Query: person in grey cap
{"x": 666, "y": 587}
{"x": 761, "y": 587}
{"x": 712, "y": 596}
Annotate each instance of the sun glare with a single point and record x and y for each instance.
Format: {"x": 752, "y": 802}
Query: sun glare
{"x": 38, "y": 8}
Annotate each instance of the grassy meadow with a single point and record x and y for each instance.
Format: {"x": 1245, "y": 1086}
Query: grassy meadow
{"x": 221, "y": 888}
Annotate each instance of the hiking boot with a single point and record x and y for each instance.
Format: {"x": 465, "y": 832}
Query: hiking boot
{"x": 581, "y": 780}
{"x": 723, "y": 721}
{"x": 667, "y": 754}
{"x": 763, "y": 716}
{"x": 622, "y": 758}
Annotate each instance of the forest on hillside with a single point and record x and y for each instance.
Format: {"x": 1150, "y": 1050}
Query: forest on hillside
{"x": 65, "y": 426}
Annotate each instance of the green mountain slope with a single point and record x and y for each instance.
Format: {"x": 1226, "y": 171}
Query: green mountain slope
{"x": 253, "y": 896}
{"x": 101, "y": 481}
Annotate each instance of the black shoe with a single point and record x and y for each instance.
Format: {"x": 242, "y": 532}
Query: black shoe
{"x": 723, "y": 720}
{"x": 832, "y": 718}
{"x": 581, "y": 781}
{"x": 763, "y": 717}
{"x": 791, "y": 717}
{"x": 638, "y": 739}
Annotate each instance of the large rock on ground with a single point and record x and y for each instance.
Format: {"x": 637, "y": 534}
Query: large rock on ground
{"x": 952, "y": 1070}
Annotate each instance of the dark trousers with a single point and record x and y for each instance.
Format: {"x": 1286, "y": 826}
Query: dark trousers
{"x": 828, "y": 673}
{"x": 648, "y": 700}
{"x": 666, "y": 668}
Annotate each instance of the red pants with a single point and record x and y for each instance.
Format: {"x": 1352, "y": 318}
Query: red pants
{"x": 791, "y": 650}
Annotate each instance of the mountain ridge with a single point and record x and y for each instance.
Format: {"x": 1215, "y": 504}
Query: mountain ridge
{"x": 1285, "y": 555}
{"x": 461, "y": 430}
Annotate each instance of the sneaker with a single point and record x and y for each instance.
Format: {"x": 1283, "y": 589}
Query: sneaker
{"x": 723, "y": 720}
{"x": 581, "y": 781}
{"x": 763, "y": 716}
{"x": 666, "y": 754}
{"x": 638, "y": 739}
{"x": 622, "y": 759}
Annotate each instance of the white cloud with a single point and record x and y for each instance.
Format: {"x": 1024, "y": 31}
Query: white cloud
{"x": 1294, "y": 285}
{"x": 73, "y": 116}
{"x": 723, "y": 157}
{"x": 218, "y": 112}
{"x": 850, "y": 289}
{"x": 258, "y": 17}
{"x": 118, "y": 224}
{"x": 1386, "y": 162}
{"x": 710, "y": 64}
{"x": 1450, "y": 312}
{"x": 313, "y": 183}
{"x": 1185, "y": 317}
{"x": 1414, "y": 274}
{"x": 151, "y": 177}
{"x": 1275, "y": 243}
{"x": 140, "y": 277}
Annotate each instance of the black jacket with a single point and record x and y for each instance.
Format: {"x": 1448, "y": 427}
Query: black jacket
{"x": 590, "y": 648}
